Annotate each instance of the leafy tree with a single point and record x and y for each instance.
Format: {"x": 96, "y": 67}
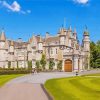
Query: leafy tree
{"x": 30, "y": 65}
{"x": 9, "y": 64}
{"x": 37, "y": 64}
{"x": 43, "y": 61}
{"x": 51, "y": 64}
{"x": 17, "y": 65}
{"x": 95, "y": 54}
{"x": 59, "y": 65}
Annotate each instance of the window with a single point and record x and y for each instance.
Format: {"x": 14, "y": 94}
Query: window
{"x": 56, "y": 51}
{"x": 51, "y": 51}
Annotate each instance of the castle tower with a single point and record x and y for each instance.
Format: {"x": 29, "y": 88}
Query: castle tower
{"x": 86, "y": 49}
{"x": 40, "y": 45}
{"x": 2, "y": 39}
{"x": 3, "y": 50}
{"x": 62, "y": 38}
{"x": 69, "y": 34}
{"x": 75, "y": 34}
{"x": 11, "y": 54}
{"x": 11, "y": 47}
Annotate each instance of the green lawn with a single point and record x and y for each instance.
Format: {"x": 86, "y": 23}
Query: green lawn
{"x": 6, "y": 78}
{"x": 75, "y": 88}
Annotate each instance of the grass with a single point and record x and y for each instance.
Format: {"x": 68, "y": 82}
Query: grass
{"x": 75, "y": 88}
{"x": 5, "y": 78}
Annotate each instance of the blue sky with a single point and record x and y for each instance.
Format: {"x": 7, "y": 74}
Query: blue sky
{"x": 22, "y": 18}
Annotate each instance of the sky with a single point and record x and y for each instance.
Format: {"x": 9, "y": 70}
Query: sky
{"x": 23, "y": 18}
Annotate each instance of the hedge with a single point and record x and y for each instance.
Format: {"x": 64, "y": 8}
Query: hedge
{"x": 11, "y": 71}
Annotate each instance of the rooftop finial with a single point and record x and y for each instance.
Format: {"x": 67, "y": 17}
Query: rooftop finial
{"x": 86, "y": 28}
{"x": 74, "y": 30}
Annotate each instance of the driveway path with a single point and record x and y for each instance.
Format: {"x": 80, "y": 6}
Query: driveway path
{"x": 29, "y": 87}
{"x": 40, "y": 78}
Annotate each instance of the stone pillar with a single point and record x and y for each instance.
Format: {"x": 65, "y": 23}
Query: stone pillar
{"x": 55, "y": 67}
{"x": 15, "y": 63}
{"x": 33, "y": 63}
{"x": 6, "y": 66}
{"x": 63, "y": 62}
{"x": 80, "y": 65}
{"x": 89, "y": 62}
{"x": 75, "y": 63}
{"x": 12, "y": 64}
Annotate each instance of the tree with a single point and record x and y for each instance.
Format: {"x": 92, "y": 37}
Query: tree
{"x": 51, "y": 64}
{"x": 9, "y": 64}
{"x": 43, "y": 61}
{"x": 95, "y": 54}
{"x": 17, "y": 65}
{"x": 37, "y": 64}
{"x": 59, "y": 65}
{"x": 30, "y": 65}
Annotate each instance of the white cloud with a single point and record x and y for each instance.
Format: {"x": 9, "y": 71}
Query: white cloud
{"x": 81, "y": 1}
{"x": 14, "y": 7}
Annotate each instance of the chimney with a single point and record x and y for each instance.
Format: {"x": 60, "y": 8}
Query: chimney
{"x": 19, "y": 40}
{"x": 47, "y": 35}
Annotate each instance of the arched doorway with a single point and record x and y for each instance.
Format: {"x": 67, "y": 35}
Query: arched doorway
{"x": 68, "y": 66}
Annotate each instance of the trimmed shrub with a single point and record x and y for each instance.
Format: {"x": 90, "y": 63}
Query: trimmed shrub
{"x": 14, "y": 71}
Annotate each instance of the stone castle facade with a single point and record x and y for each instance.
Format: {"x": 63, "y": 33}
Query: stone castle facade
{"x": 63, "y": 47}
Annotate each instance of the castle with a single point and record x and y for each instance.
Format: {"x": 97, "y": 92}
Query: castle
{"x": 63, "y": 47}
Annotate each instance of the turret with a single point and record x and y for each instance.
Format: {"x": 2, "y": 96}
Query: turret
{"x": 47, "y": 35}
{"x": 69, "y": 35}
{"x": 40, "y": 45}
{"x": 75, "y": 34}
{"x": 62, "y": 37}
{"x": 11, "y": 47}
{"x": 69, "y": 31}
{"x": 86, "y": 49}
{"x": 86, "y": 41}
{"x": 2, "y": 39}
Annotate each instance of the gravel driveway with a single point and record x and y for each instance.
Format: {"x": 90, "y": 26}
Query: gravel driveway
{"x": 28, "y": 87}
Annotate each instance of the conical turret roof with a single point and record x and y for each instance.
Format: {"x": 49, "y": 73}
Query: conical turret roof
{"x": 12, "y": 43}
{"x": 62, "y": 31}
{"x": 86, "y": 31}
{"x": 40, "y": 40}
{"x": 2, "y": 37}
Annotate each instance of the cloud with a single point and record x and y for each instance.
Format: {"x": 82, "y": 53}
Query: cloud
{"x": 81, "y": 1}
{"x": 14, "y": 7}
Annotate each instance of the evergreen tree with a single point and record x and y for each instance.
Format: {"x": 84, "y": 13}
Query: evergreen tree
{"x": 51, "y": 64}
{"x": 37, "y": 64}
{"x": 59, "y": 65}
{"x": 30, "y": 65}
{"x": 43, "y": 61}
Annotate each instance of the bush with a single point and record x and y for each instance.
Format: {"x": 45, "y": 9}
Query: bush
{"x": 14, "y": 71}
{"x": 51, "y": 64}
{"x": 59, "y": 65}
